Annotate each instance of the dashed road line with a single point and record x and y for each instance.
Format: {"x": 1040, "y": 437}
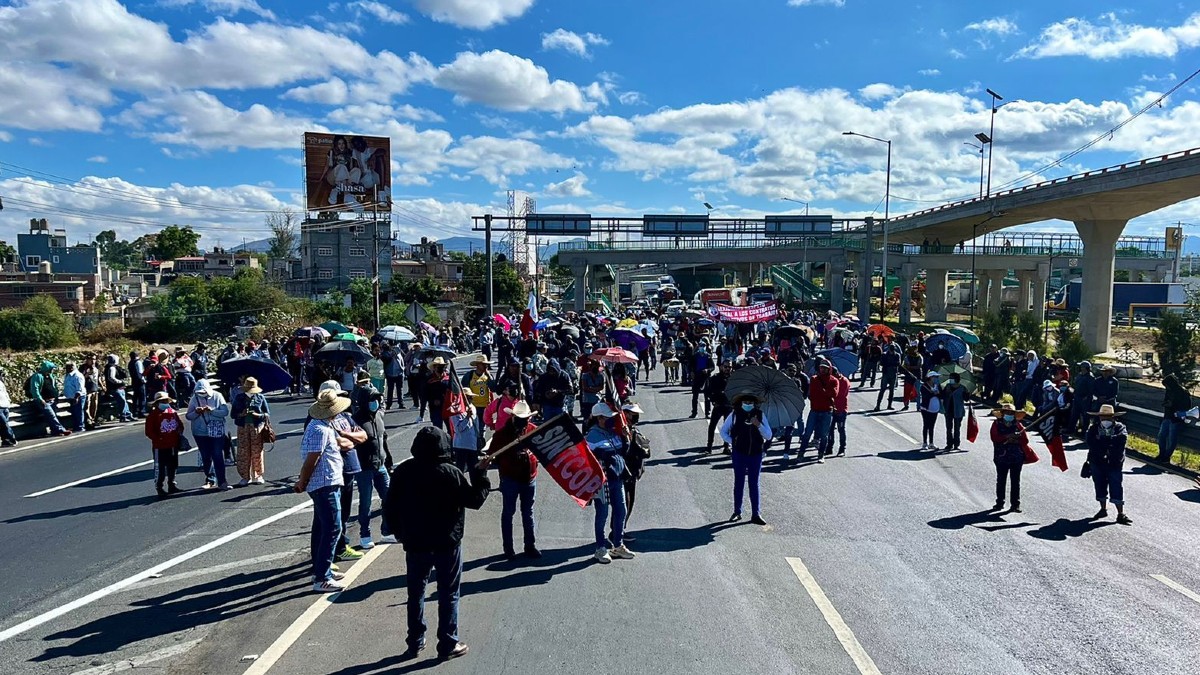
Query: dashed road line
{"x": 98, "y": 476}
{"x": 1174, "y": 585}
{"x": 850, "y": 643}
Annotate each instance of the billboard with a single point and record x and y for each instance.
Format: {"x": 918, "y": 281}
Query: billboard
{"x": 346, "y": 172}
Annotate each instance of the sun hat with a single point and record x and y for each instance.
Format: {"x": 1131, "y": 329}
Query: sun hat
{"x": 328, "y": 405}
{"x": 520, "y": 409}
{"x": 745, "y": 397}
{"x": 1107, "y": 410}
{"x": 932, "y": 373}
{"x": 162, "y": 396}
{"x": 438, "y": 361}
{"x": 1008, "y": 408}
{"x": 481, "y": 360}
{"x": 1108, "y": 367}
{"x": 250, "y": 386}
{"x": 602, "y": 410}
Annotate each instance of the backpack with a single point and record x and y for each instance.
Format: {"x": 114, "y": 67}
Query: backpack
{"x": 122, "y": 374}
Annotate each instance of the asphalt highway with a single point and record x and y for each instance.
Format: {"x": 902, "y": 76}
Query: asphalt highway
{"x": 884, "y": 561}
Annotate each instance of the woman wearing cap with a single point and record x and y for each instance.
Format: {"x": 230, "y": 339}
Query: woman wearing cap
{"x": 747, "y": 432}
{"x": 250, "y": 412}
{"x": 1008, "y": 442}
{"x": 607, "y": 446}
{"x": 321, "y": 477}
{"x": 164, "y": 428}
{"x": 1106, "y": 440}
{"x": 207, "y": 411}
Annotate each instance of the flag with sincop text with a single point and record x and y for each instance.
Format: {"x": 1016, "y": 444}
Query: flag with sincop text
{"x": 563, "y": 453}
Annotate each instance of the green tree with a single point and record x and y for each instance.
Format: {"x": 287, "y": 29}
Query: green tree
{"x": 39, "y": 323}
{"x": 1177, "y": 347}
{"x": 998, "y": 328}
{"x": 507, "y": 287}
{"x": 425, "y": 290}
{"x": 1069, "y": 344}
{"x": 283, "y": 233}
{"x": 560, "y": 275}
{"x": 175, "y": 242}
{"x": 7, "y": 252}
{"x": 1030, "y": 333}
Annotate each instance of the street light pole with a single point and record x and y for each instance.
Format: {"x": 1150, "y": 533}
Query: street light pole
{"x": 887, "y": 203}
{"x": 992, "y": 138}
{"x": 980, "y": 149}
{"x": 797, "y": 201}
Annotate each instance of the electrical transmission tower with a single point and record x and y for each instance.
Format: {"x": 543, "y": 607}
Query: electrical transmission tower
{"x": 515, "y": 240}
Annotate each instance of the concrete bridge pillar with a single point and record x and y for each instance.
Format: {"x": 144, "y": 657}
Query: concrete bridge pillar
{"x": 1162, "y": 272}
{"x": 995, "y": 294}
{"x": 935, "y": 295}
{"x": 1099, "y": 258}
{"x": 1041, "y": 280}
{"x": 580, "y": 272}
{"x": 908, "y": 272}
{"x": 1025, "y": 293}
{"x": 866, "y": 265}
{"x": 835, "y": 283}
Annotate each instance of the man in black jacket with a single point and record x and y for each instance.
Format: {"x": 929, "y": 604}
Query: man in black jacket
{"x": 715, "y": 391}
{"x": 424, "y": 508}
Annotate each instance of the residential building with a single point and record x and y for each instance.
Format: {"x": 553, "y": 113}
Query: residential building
{"x": 72, "y": 292}
{"x": 218, "y": 263}
{"x": 335, "y": 252}
{"x": 43, "y": 244}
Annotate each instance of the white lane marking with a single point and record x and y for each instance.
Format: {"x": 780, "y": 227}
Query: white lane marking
{"x": 214, "y": 569}
{"x": 64, "y": 439}
{"x": 40, "y": 619}
{"x": 895, "y": 429}
{"x": 98, "y": 476}
{"x": 844, "y": 635}
{"x": 141, "y": 661}
{"x": 284, "y": 642}
{"x": 1177, "y": 586}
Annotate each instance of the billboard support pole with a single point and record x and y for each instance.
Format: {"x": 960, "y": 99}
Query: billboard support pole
{"x": 375, "y": 237}
{"x": 487, "y": 254}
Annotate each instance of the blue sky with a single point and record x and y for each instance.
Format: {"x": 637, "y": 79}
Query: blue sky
{"x": 134, "y": 115}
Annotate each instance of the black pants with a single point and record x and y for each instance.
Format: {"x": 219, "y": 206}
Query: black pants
{"x": 346, "y": 496}
{"x": 714, "y": 420}
{"x": 699, "y": 383}
{"x": 630, "y": 495}
{"x": 928, "y": 425}
{"x": 887, "y": 390}
{"x": 953, "y": 432}
{"x": 870, "y": 370}
{"x": 165, "y": 465}
{"x": 448, "y": 568}
{"x": 1004, "y": 473}
{"x": 414, "y": 390}
{"x": 395, "y": 390}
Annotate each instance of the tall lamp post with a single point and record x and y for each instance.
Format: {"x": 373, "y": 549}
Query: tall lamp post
{"x": 991, "y": 137}
{"x": 887, "y": 203}
{"x": 797, "y": 201}
{"x": 984, "y": 140}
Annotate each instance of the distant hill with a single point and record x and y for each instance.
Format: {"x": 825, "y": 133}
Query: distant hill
{"x": 257, "y": 246}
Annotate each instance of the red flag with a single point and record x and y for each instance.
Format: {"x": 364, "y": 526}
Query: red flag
{"x": 1049, "y": 430}
{"x": 972, "y": 426}
{"x": 910, "y": 392}
{"x": 1030, "y": 455}
{"x": 1057, "y": 454}
{"x": 562, "y": 451}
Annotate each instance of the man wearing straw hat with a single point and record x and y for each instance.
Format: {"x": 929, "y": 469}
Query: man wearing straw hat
{"x": 1106, "y": 440}
{"x": 321, "y": 477}
{"x": 1008, "y": 441}
{"x": 1106, "y": 388}
{"x": 518, "y": 471}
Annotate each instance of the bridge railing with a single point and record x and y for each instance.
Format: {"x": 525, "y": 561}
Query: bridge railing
{"x": 748, "y": 240}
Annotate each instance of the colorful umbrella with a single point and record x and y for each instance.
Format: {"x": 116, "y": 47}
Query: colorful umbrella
{"x": 880, "y": 330}
{"x": 335, "y": 327}
{"x": 627, "y": 323}
{"x": 782, "y": 400}
{"x": 504, "y": 323}
{"x": 966, "y": 376}
{"x": 966, "y": 334}
{"x": 311, "y": 332}
{"x": 953, "y": 344}
{"x": 268, "y": 373}
{"x": 397, "y": 334}
{"x": 340, "y": 350}
{"x": 629, "y": 339}
{"x": 613, "y": 355}
{"x": 844, "y": 360}
{"x": 352, "y": 337}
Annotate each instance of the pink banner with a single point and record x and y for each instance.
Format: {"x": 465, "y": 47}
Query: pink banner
{"x": 766, "y": 311}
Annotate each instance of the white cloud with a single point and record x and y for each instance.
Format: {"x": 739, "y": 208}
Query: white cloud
{"x": 224, "y": 6}
{"x": 502, "y": 80}
{"x": 201, "y": 120}
{"x": 572, "y": 42}
{"x": 98, "y": 159}
{"x": 805, "y": 3}
{"x": 41, "y": 96}
{"x": 5, "y": 137}
{"x": 380, "y": 11}
{"x": 575, "y": 186}
{"x": 956, "y": 54}
{"x": 631, "y": 98}
{"x": 477, "y": 14}
{"x": 877, "y": 91}
{"x": 929, "y": 72}
{"x": 331, "y": 92}
{"x": 995, "y": 26}
{"x": 1112, "y": 39}
{"x": 496, "y": 159}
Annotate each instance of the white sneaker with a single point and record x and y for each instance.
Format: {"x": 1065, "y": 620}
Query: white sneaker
{"x": 243, "y": 482}
{"x": 622, "y": 553}
{"x": 258, "y": 481}
{"x": 328, "y": 586}
{"x": 602, "y": 556}
{"x": 820, "y": 460}
{"x": 366, "y": 544}
{"x": 335, "y": 575}
{"x": 388, "y": 539}
{"x": 420, "y": 418}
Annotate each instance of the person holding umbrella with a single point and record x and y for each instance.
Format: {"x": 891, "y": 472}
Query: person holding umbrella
{"x": 1008, "y": 453}
{"x": 250, "y": 412}
{"x": 747, "y": 432}
{"x": 1106, "y": 441}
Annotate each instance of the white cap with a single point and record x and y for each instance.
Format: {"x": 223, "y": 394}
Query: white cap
{"x": 602, "y": 410}
{"x": 633, "y": 408}
{"x": 330, "y": 384}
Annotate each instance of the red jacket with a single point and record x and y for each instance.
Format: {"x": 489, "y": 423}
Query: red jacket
{"x": 822, "y": 392}
{"x": 518, "y": 465}
{"x": 163, "y": 428}
{"x": 842, "y": 402}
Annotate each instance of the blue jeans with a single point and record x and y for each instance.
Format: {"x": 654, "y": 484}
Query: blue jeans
{"x": 746, "y": 466}
{"x": 549, "y": 412}
{"x": 479, "y": 426}
{"x": 1168, "y": 439}
{"x": 369, "y": 480}
{"x": 818, "y": 429}
{"x": 77, "y": 405}
{"x": 122, "y": 404}
{"x": 212, "y": 455}
{"x": 449, "y": 577}
{"x": 6, "y": 432}
{"x": 1107, "y": 480}
{"x": 511, "y": 489}
{"x": 610, "y": 498}
{"x": 326, "y": 530}
{"x": 837, "y": 425}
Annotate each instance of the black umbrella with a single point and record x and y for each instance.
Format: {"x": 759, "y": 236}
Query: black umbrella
{"x": 432, "y": 351}
{"x": 340, "y": 350}
{"x": 268, "y": 373}
{"x": 782, "y": 400}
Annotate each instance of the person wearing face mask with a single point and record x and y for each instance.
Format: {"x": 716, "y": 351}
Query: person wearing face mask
{"x": 164, "y": 428}
{"x": 375, "y": 457}
{"x": 591, "y": 386}
{"x": 822, "y": 396}
{"x": 701, "y": 367}
{"x": 954, "y": 397}
{"x": 207, "y": 411}
{"x": 747, "y": 432}
{"x": 1008, "y": 442}
{"x": 929, "y": 404}
{"x": 608, "y": 447}
{"x": 1106, "y": 441}
{"x": 518, "y": 474}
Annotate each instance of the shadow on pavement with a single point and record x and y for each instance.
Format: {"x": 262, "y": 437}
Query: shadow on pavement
{"x": 396, "y": 663}
{"x": 908, "y": 455}
{"x": 687, "y": 457}
{"x": 1147, "y": 470}
{"x": 102, "y": 508}
{"x": 1192, "y": 495}
{"x": 1063, "y": 529}
{"x": 668, "y": 539}
{"x": 966, "y": 520}
{"x": 202, "y": 604}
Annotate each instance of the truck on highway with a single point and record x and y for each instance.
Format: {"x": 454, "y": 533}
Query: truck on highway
{"x": 641, "y": 288}
{"x": 710, "y": 295}
{"x": 759, "y": 294}
{"x": 1124, "y": 293}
